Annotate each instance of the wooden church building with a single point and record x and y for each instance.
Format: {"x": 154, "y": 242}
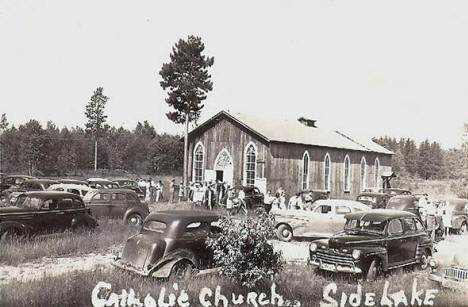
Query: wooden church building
{"x": 242, "y": 149}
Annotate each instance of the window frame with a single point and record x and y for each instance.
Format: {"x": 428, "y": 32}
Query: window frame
{"x": 327, "y": 174}
{"x": 246, "y": 162}
{"x": 347, "y": 176}
{"x": 363, "y": 173}
{"x": 377, "y": 171}
{"x": 195, "y": 177}
{"x": 305, "y": 171}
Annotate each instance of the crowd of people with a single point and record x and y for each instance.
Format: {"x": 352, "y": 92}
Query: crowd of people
{"x": 437, "y": 216}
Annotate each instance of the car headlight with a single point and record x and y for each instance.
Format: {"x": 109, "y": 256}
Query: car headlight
{"x": 313, "y": 247}
{"x": 356, "y": 254}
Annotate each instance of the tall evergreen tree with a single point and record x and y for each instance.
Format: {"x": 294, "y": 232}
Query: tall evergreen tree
{"x": 96, "y": 118}
{"x": 187, "y": 80}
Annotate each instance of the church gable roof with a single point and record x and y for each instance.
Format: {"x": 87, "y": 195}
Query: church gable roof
{"x": 287, "y": 131}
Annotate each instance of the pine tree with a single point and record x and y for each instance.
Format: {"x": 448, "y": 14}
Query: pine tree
{"x": 187, "y": 80}
{"x": 96, "y": 118}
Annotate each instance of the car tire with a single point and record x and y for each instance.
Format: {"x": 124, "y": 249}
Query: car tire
{"x": 284, "y": 233}
{"x": 463, "y": 229}
{"x": 374, "y": 270}
{"x": 134, "y": 219}
{"x": 182, "y": 270}
{"x": 424, "y": 262}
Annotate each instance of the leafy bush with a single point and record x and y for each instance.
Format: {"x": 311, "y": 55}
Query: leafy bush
{"x": 243, "y": 252}
{"x": 460, "y": 188}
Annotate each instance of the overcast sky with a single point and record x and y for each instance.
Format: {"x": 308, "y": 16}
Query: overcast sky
{"x": 397, "y": 68}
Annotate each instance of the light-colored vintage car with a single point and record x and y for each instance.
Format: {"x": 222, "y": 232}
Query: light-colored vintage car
{"x": 77, "y": 189}
{"x": 326, "y": 218}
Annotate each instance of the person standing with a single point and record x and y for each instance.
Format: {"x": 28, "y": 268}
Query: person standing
{"x": 447, "y": 218}
{"x": 280, "y": 194}
{"x": 171, "y": 191}
{"x": 181, "y": 192}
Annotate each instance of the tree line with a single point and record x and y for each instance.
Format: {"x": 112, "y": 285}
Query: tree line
{"x": 426, "y": 160}
{"x": 33, "y": 149}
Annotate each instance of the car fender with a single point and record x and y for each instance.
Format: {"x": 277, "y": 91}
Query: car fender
{"x": 83, "y": 219}
{"x": 379, "y": 252}
{"x": 20, "y": 227}
{"x": 164, "y": 266}
{"x": 135, "y": 210}
{"x": 458, "y": 220}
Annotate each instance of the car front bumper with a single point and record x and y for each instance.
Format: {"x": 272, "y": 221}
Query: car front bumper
{"x": 449, "y": 283}
{"x": 333, "y": 267}
{"x": 125, "y": 266}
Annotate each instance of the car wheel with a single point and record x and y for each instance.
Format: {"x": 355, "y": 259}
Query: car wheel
{"x": 374, "y": 270}
{"x": 424, "y": 262}
{"x": 284, "y": 233}
{"x": 134, "y": 219}
{"x": 463, "y": 229}
{"x": 182, "y": 270}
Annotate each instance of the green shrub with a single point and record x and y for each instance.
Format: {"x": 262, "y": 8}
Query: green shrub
{"x": 243, "y": 252}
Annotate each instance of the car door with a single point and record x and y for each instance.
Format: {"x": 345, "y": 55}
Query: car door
{"x": 338, "y": 218}
{"x": 411, "y": 239}
{"x": 320, "y": 221}
{"x": 394, "y": 242}
{"x": 118, "y": 205}
{"x": 99, "y": 204}
{"x": 47, "y": 219}
{"x": 66, "y": 211}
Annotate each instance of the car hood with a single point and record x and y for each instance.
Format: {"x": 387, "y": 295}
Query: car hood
{"x": 139, "y": 249}
{"x": 346, "y": 240}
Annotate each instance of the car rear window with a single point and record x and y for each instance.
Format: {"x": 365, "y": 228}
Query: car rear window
{"x": 155, "y": 226}
{"x": 31, "y": 202}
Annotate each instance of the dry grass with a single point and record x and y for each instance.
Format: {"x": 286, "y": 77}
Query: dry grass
{"x": 295, "y": 283}
{"x": 109, "y": 234}
{"x": 436, "y": 189}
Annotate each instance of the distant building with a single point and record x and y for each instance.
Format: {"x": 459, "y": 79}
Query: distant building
{"x": 249, "y": 150}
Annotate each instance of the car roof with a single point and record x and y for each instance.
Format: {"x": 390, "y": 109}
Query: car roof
{"x": 337, "y": 202}
{"x": 119, "y": 190}
{"x": 184, "y": 216}
{"x": 41, "y": 181}
{"x": 123, "y": 179}
{"x": 71, "y": 186}
{"x": 379, "y": 215}
{"x": 372, "y": 194}
{"x": 50, "y": 194}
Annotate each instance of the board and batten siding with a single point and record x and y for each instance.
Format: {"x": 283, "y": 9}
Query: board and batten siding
{"x": 285, "y": 166}
{"x": 231, "y": 136}
{"x": 283, "y": 162}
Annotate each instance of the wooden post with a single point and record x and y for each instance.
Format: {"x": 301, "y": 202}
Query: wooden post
{"x": 95, "y": 155}
{"x": 186, "y": 150}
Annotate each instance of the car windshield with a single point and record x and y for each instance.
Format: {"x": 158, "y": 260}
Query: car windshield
{"x": 155, "y": 226}
{"x": 354, "y": 225}
{"x": 398, "y": 203}
{"x": 368, "y": 198}
{"x": 30, "y": 202}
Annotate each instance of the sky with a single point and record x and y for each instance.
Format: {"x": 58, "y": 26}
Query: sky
{"x": 374, "y": 68}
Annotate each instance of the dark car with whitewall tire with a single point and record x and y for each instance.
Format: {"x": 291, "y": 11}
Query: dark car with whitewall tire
{"x": 373, "y": 243}
{"x": 117, "y": 204}
{"x": 171, "y": 243}
{"x": 45, "y": 212}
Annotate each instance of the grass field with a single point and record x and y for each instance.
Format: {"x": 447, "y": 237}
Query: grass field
{"x": 108, "y": 235}
{"x": 294, "y": 283}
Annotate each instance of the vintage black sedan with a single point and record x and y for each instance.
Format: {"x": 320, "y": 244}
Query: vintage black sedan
{"x": 170, "y": 243}
{"x": 374, "y": 242}
{"x": 117, "y": 203}
{"x": 39, "y": 212}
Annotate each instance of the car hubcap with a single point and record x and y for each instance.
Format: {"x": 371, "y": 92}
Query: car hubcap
{"x": 285, "y": 233}
{"x": 135, "y": 220}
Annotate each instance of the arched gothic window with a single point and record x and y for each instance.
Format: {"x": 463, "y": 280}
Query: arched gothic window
{"x": 305, "y": 171}
{"x": 363, "y": 173}
{"x": 326, "y": 173}
{"x": 377, "y": 172}
{"x": 198, "y": 157}
{"x": 346, "y": 172}
{"x": 250, "y": 164}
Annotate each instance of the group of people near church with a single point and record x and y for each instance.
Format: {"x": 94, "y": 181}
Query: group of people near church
{"x": 209, "y": 193}
{"x": 437, "y": 216}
